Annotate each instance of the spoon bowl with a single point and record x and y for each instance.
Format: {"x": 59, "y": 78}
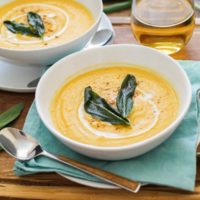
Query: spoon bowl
{"x": 19, "y": 145}
{"x": 100, "y": 38}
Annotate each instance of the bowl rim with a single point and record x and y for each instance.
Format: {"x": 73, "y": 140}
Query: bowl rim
{"x": 142, "y": 143}
{"x": 97, "y": 20}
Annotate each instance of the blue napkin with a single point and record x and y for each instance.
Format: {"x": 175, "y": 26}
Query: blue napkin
{"x": 173, "y": 163}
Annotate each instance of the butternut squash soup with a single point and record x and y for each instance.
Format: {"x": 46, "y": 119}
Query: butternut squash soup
{"x": 114, "y": 106}
{"x": 33, "y": 24}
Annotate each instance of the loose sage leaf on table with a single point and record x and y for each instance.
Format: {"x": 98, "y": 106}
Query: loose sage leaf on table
{"x": 99, "y": 108}
{"x": 36, "y": 23}
{"x": 125, "y": 95}
{"x": 10, "y": 115}
{"x": 19, "y": 28}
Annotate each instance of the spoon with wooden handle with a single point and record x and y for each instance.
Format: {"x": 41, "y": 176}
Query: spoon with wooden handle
{"x": 24, "y": 147}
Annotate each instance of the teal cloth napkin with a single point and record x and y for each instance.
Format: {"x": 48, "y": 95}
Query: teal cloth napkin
{"x": 173, "y": 163}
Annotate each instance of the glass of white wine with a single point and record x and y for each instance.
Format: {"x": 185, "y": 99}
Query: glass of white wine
{"x": 166, "y": 25}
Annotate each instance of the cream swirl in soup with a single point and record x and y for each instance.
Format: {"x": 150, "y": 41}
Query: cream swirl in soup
{"x": 64, "y": 20}
{"x": 155, "y": 107}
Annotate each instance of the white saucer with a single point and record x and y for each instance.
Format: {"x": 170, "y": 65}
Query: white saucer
{"x": 89, "y": 183}
{"x": 21, "y": 77}
{"x": 15, "y": 76}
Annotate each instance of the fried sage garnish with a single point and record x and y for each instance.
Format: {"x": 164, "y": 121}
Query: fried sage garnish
{"x": 125, "y": 95}
{"x": 19, "y": 28}
{"x": 100, "y": 109}
{"x": 36, "y": 23}
{"x": 35, "y": 27}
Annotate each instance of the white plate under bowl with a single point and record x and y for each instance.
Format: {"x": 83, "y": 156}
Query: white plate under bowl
{"x": 94, "y": 184}
{"x": 89, "y": 183}
{"x": 16, "y": 76}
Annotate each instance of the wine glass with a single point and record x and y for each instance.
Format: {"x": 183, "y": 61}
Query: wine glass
{"x": 166, "y": 25}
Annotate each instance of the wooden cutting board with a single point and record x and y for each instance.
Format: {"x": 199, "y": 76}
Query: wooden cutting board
{"x": 51, "y": 186}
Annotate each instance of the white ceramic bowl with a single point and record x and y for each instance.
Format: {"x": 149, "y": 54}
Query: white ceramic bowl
{"x": 55, "y": 77}
{"x": 49, "y": 55}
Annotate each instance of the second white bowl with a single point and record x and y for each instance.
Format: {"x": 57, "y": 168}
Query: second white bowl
{"x": 50, "y": 55}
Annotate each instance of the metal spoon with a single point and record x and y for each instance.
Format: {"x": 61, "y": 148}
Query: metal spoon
{"x": 24, "y": 147}
{"x": 100, "y": 38}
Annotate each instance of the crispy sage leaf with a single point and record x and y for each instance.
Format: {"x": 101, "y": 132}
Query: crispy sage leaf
{"x": 125, "y": 95}
{"x": 99, "y": 108}
{"x": 36, "y": 24}
{"x": 19, "y": 28}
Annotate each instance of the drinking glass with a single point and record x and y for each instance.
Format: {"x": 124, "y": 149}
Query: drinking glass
{"x": 166, "y": 25}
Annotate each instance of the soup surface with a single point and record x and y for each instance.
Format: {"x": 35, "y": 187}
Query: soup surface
{"x": 64, "y": 20}
{"x": 155, "y": 107}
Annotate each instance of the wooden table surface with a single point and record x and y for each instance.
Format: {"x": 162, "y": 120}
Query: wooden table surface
{"x": 52, "y": 186}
